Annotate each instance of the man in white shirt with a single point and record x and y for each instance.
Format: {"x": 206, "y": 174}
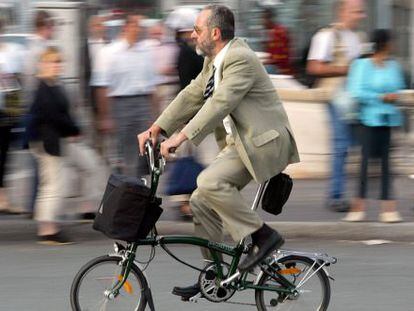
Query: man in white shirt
{"x": 332, "y": 50}
{"x": 94, "y": 44}
{"x": 127, "y": 80}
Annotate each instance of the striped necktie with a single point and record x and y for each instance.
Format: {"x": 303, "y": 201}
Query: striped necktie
{"x": 210, "y": 86}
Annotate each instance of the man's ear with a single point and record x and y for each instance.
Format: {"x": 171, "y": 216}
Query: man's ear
{"x": 216, "y": 34}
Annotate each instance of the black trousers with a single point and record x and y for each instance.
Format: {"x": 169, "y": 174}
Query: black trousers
{"x": 5, "y": 138}
{"x": 375, "y": 144}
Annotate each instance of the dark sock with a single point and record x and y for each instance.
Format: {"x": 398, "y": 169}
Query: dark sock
{"x": 259, "y": 236}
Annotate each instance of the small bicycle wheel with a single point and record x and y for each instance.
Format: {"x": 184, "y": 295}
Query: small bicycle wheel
{"x": 101, "y": 274}
{"x": 313, "y": 295}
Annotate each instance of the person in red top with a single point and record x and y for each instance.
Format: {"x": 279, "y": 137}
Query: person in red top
{"x": 277, "y": 44}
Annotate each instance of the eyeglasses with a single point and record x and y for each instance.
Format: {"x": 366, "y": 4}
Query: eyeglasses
{"x": 197, "y": 29}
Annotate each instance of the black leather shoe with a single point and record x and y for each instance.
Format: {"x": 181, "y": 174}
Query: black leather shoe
{"x": 268, "y": 241}
{"x": 186, "y": 292}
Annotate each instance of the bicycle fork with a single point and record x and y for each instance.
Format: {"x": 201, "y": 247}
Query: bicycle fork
{"x": 128, "y": 257}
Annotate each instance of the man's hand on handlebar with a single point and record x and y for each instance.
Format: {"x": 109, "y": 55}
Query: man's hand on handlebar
{"x": 152, "y": 133}
{"x": 170, "y": 145}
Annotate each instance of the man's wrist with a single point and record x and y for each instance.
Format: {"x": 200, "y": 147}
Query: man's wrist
{"x": 155, "y": 129}
{"x": 181, "y": 137}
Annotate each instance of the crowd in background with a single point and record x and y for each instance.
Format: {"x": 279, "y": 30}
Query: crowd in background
{"x": 133, "y": 72}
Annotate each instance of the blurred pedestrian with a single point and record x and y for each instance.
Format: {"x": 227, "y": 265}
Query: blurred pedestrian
{"x": 44, "y": 29}
{"x": 277, "y": 44}
{"x": 164, "y": 51}
{"x": 332, "y": 50}
{"x": 104, "y": 119}
{"x": 182, "y": 179}
{"x": 127, "y": 84}
{"x": 95, "y": 42}
{"x": 375, "y": 83}
{"x": 50, "y": 123}
{"x": 11, "y": 110}
{"x": 189, "y": 63}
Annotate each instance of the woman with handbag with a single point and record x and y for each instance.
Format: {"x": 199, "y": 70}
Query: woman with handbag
{"x": 375, "y": 82}
{"x": 50, "y": 123}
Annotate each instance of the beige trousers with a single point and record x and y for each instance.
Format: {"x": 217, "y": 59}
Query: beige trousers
{"x": 50, "y": 194}
{"x": 218, "y": 203}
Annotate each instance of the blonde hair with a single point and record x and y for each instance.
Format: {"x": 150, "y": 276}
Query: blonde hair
{"x": 50, "y": 54}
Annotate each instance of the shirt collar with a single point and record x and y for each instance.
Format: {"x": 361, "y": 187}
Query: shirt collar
{"x": 220, "y": 56}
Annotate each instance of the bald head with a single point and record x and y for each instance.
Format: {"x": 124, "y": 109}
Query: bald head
{"x": 350, "y": 13}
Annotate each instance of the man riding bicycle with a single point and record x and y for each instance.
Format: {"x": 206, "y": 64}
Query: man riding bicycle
{"x": 234, "y": 97}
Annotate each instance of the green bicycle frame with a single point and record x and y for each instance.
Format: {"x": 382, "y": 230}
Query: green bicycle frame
{"x": 214, "y": 247}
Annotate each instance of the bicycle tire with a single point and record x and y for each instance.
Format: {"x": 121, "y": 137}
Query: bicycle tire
{"x": 96, "y": 262}
{"x": 286, "y": 303}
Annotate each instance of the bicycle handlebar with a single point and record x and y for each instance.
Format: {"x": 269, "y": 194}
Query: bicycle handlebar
{"x": 156, "y": 161}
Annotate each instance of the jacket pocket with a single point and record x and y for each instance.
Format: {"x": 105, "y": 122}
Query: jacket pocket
{"x": 264, "y": 138}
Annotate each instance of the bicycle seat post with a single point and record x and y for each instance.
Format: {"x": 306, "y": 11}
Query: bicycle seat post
{"x": 259, "y": 195}
{"x": 256, "y": 201}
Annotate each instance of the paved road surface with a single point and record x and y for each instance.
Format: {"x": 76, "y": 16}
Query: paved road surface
{"x": 38, "y": 278}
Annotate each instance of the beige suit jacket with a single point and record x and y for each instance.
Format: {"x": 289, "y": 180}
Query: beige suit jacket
{"x": 259, "y": 124}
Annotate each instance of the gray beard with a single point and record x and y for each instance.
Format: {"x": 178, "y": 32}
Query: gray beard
{"x": 199, "y": 51}
{"x": 207, "y": 52}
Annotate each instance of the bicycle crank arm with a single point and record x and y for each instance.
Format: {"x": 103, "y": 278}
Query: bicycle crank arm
{"x": 230, "y": 279}
{"x": 195, "y": 298}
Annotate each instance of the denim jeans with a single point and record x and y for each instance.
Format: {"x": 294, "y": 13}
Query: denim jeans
{"x": 341, "y": 141}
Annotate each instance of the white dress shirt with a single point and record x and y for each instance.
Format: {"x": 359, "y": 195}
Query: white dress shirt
{"x": 126, "y": 70}
{"x": 218, "y": 61}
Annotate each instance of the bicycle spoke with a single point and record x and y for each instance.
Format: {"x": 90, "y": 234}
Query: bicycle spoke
{"x": 104, "y": 305}
{"x": 95, "y": 281}
{"x": 305, "y": 273}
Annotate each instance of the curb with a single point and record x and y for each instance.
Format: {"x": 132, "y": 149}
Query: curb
{"x": 25, "y": 230}
{"x": 402, "y": 232}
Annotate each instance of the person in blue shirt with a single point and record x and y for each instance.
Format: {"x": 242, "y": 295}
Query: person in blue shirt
{"x": 375, "y": 82}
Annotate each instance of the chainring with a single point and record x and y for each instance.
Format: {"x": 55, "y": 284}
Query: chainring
{"x": 210, "y": 283}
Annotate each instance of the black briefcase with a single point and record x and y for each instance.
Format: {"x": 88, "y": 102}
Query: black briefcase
{"x": 127, "y": 211}
{"x": 277, "y": 193}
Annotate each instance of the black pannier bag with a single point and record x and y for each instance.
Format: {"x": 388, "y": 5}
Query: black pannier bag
{"x": 277, "y": 193}
{"x": 127, "y": 212}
